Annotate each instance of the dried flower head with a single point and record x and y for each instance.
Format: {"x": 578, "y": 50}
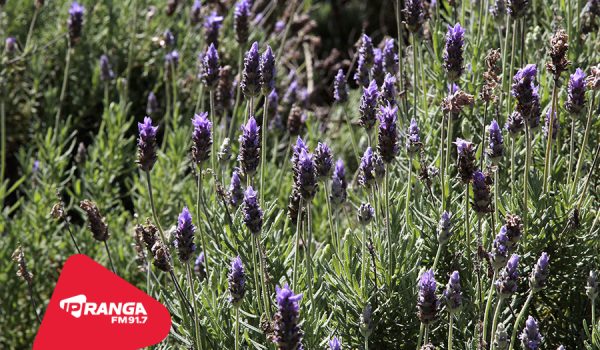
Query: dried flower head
{"x": 23, "y": 272}
{"x": 514, "y": 230}
{"x": 162, "y": 258}
{"x": 491, "y": 76}
{"x": 97, "y": 223}
{"x": 296, "y": 121}
{"x": 456, "y": 101}
{"x": 593, "y": 80}
{"x": 559, "y": 45}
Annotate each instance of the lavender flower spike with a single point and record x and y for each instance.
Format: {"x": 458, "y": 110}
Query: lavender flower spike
{"x": 388, "y": 135}
{"x": 267, "y": 71}
{"x": 306, "y": 176}
{"x": 210, "y": 68}
{"x": 250, "y": 83}
{"x": 540, "y": 272}
{"x": 212, "y": 24}
{"x": 335, "y": 344}
{"x": 201, "y": 138}
{"x": 444, "y": 229}
{"x": 413, "y": 140}
{"x": 253, "y": 214}
{"x": 184, "y": 236}
{"x": 195, "y": 12}
{"x": 377, "y": 71}
{"x": 453, "y": 294}
{"x": 236, "y": 192}
{"x": 453, "y": 52}
{"x": 495, "y": 150}
{"x": 106, "y": 72}
{"x": 523, "y": 89}
{"x": 576, "y": 96}
{"x": 466, "y": 159}
{"x": 199, "y": 267}
{"x": 339, "y": 185}
{"x": 361, "y": 76}
{"x": 323, "y": 161}
{"x": 366, "y": 51}
{"x": 249, "y": 156}
{"x": 287, "y": 334}
{"x": 531, "y": 339}
{"x": 75, "y": 22}
{"x": 482, "y": 199}
{"x": 390, "y": 57}
{"x": 366, "y": 176}
{"x": 507, "y": 284}
{"x": 366, "y": 213}
{"x": 147, "y": 145}
{"x": 514, "y": 124}
{"x": 413, "y": 10}
{"x": 237, "y": 282}
{"x": 340, "y": 89}
{"x": 427, "y": 304}
{"x": 368, "y": 106}
{"x": 240, "y": 21}
{"x": 499, "y": 253}
{"x": 388, "y": 90}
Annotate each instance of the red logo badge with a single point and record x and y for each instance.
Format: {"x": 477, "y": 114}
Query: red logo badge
{"x": 92, "y": 308}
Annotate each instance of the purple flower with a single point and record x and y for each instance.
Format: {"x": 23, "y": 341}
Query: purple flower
{"x": 323, "y": 160}
{"x": 466, "y": 159}
{"x": 413, "y": 140}
{"x": 482, "y": 198}
{"x": 201, "y": 138}
{"x": 169, "y": 39}
{"x": 531, "y": 339}
{"x": 453, "y": 294}
{"x": 453, "y": 52}
{"x": 388, "y": 90}
{"x": 366, "y": 51}
{"x": 514, "y": 124}
{"x": 267, "y": 71}
{"x": 147, "y": 144}
{"x": 368, "y": 106}
{"x": 249, "y": 155}
{"x": 390, "y": 58}
{"x": 184, "y": 236}
{"x": 427, "y": 303}
{"x": 444, "y": 229}
{"x": 377, "y": 71}
{"x": 366, "y": 171}
{"x": 540, "y": 272}
{"x": 199, "y": 267}
{"x": 75, "y": 22}
{"x": 240, "y": 21}
{"x": 499, "y": 253}
{"x": 507, "y": 283}
{"x": 555, "y": 124}
{"x": 152, "y": 104}
{"x": 196, "y": 12}
{"x": 291, "y": 94}
{"x": 334, "y": 344}
{"x": 10, "y": 44}
{"x": 576, "y": 96}
{"x": 536, "y": 109}
{"x": 339, "y": 185}
{"x": 388, "y": 135}
{"x": 210, "y": 68}
{"x": 514, "y": 231}
{"x": 340, "y": 89}
{"x": 287, "y": 333}
{"x": 273, "y": 99}
{"x": 413, "y": 10}
{"x": 361, "y": 76}
{"x": 236, "y": 192}
{"x": 251, "y": 76}
{"x": 212, "y": 24}
{"x": 366, "y": 213}
{"x": 495, "y": 150}
{"x": 523, "y": 89}
{"x": 171, "y": 61}
{"x": 106, "y": 72}
{"x": 306, "y": 176}
{"x": 253, "y": 214}
{"x": 237, "y": 282}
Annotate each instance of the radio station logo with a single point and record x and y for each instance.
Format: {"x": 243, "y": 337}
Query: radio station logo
{"x": 123, "y": 313}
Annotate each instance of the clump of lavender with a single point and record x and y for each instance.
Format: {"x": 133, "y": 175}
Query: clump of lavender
{"x": 236, "y": 192}
{"x": 249, "y": 156}
{"x": 517, "y": 8}
{"x": 200, "y": 267}
{"x": 195, "y": 12}
{"x": 201, "y": 138}
{"x": 523, "y": 89}
{"x": 551, "y": 118}
{"x": 339, "y": 185}
{"x": 97, "y": 223}
{"x": 453, "y": 294}
{"x": 340, "y": 88}
{"x": 305, "y": 175}
{"x": 253, "y": 214}
{"x": 499, "y": 254}
{"x": 576, "y": 93}
{"x": 507, "y": 283}
{"x": 427, "y": 303}
{"x": 514, "y": 230}
{"x": 106, "y": 72}
{"x": 335, "y": 344}
{"x": 539, "y": 275}
{"x": 241, "y": 15}
{"x": 212, "y": 24}
{"x": 592, "y": 286}
{"x": 366, "y": 213}
{"x": 152, "y": 105}
{"x": 368, "y": 106}
{"x": 366, "y": 51}
{"x": 453, "y": 52}
{"x": 390, "y": 57}
{"x": 266, "y": 70}
{"x": 559, "y": 45}
{"x": 495, "y": 149}
{"x": 323, "y": 161}
{"x": 444, "y": 228}
{"x": 184, "y": 235}
{"x": 366, "y": 169}
{"x": 237, "y": 282}
{"x": 413, "y": 140}
{"x": 75, "y": 22}
{"x": 531, "y": 339}
{"x": 287, "y": 334}
{"x": 413, "y": 11}
{"x": 482, "y": 199}
{"x": 250, "y": 83}
{"x": 514, "y": 124}
{"x": 377, "y": 71}
{"x": 361, "y": 76}
{"x": 388, "y": 90}
{"x": 466, "y": 159}
{"x": 210, "y": 68}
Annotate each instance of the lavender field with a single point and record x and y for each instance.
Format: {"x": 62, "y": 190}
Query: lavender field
{"x": 309, "y": 174}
